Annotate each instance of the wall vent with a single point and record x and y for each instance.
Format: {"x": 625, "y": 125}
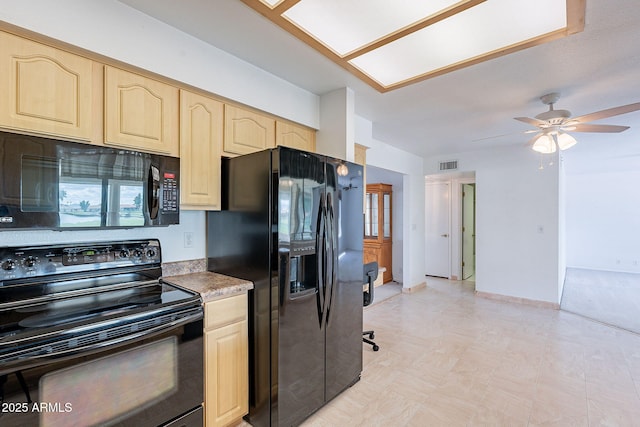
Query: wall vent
{"x": 449, "y": 165}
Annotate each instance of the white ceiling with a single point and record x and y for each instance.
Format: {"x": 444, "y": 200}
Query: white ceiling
{"x": 593, "y": 70}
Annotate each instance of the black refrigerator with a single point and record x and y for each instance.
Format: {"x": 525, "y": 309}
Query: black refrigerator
{"x": 292, "y": 223}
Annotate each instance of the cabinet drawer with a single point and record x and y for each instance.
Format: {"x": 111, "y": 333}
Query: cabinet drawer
{"x": 225, "y": 311}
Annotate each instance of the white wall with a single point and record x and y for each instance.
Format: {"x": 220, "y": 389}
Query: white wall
{"x": 172, "y": 239}
{"x": 517, "y": 222}
{"x": 562, "y": 229}
{"x": 337, "y": 133}
{"x": 115, "y": 30}
{"x": 387, "y": 157}
{"x": 603, "y": 220}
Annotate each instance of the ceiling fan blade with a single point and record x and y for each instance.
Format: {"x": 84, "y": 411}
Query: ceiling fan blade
{"x": 607, "y": 113}
{"x": 598, "y": 128}
{"x": 532, "y": 122}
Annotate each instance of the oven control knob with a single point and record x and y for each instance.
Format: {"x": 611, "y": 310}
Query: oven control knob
{"x": 151, "y": 253}
{"x": 30, "y": 261}
{"x": 9, "y": 265}
{"x": 137, "y": 253}
{"x": 124, "y": 253}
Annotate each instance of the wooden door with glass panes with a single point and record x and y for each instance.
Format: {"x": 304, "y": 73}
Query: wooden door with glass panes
{"x": 377, "y": 227}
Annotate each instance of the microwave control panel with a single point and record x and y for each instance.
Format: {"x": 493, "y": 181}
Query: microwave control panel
{"x": 169, "y": 192}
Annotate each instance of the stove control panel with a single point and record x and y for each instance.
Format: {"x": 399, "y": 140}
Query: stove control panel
{"x": 33, "y": 261}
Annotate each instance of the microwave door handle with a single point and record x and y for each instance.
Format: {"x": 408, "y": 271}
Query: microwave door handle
{"x": 153, "y": 192}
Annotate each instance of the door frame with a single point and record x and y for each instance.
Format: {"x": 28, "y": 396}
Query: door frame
{"x": 462, "y": 217}
{"x": 456, "y": 237}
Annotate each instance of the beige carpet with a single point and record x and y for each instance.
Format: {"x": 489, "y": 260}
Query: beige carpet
{"x": 608, "y": 297}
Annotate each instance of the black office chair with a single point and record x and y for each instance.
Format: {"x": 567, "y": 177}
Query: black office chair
{"x": 370, "y": 271}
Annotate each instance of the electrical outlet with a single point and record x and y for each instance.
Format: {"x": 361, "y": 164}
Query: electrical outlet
{"x": 188, "y": 239}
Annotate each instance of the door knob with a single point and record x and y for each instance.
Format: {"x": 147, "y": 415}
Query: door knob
{"x": 445, "y": 235}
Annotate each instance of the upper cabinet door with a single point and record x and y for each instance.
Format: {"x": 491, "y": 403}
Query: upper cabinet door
{"x": 140, "y": 113}
{"x": 201, "y": 122}
{"x": 295, "y": 136}
{"x": 44, "y": 90}
{"x": 247, "y": 132}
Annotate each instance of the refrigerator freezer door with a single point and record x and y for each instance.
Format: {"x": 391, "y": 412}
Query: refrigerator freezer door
{"x": 344, "y": 327}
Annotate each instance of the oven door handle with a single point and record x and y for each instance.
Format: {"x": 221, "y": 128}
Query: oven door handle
{"x": 8, "y": 341}
{"x": 115, "y": 342}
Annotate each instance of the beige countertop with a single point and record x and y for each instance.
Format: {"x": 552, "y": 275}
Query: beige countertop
{"x": 210, "y": 285}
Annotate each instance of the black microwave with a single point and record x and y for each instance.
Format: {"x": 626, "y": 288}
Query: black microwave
{"x": 51, "y": 184}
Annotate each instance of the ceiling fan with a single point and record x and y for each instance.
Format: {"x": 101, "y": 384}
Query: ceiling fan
{"x": 553, "y": 125}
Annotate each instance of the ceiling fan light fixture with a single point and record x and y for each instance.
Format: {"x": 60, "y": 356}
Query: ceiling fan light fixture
{"x": 342, "y": 169}
{"x": 544, "y": 144}
{"x": 565, "y": 140}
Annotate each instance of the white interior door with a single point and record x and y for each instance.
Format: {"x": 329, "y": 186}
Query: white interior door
{"x": 437, "y": 229}
{"x": 468, "y": 231}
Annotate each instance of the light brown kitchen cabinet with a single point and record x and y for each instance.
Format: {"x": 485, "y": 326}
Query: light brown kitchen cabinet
{"x": 377, "y": 228}
{"x": 201, "y": 130}
{"x": 295, "y": 136}
{"x": 140, "y": 112}
{"x": 226, "y": 360}
{"x": 44, "y": 90}
{"x": 246, "y": 131}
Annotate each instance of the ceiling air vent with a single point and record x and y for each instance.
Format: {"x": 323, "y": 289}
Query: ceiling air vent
{"x": 449, "y": 165}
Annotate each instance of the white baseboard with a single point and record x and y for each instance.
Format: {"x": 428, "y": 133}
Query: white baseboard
{"x": 517, "y": 300}
{"x": 414, "y": 288}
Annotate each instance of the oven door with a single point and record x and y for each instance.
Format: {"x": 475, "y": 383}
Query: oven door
{"x": 149, "y": 382}
{"x": 51, "y": 184}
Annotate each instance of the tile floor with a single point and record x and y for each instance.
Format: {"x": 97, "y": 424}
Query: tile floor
{"x": 449, "y": 358}
{"x": 386, "y": 291}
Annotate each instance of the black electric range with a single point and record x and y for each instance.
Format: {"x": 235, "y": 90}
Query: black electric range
{"x": 62, "y": 305}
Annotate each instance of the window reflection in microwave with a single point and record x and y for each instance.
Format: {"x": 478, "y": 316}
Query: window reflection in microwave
{"x": 82, "y": 200}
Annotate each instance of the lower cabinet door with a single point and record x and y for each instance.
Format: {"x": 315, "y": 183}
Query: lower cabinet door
{"x": 226, "y": 370}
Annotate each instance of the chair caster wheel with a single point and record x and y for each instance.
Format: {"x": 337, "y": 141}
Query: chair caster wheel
{"x": 371, "y": 336}
{"x": 376, "y": 348}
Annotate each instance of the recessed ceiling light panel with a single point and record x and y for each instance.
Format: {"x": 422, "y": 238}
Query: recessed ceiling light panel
{"x": 271, "y": 3}
{"x": 346, "y": 25}
{"x": 485, "y": 28}
{"x": 391, "y": 44}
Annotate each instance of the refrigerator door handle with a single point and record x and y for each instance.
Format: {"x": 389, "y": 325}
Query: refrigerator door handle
{"x": 333, "y": 253}
{"x": 320, "y": 236}
{"x": 284, "y": 279}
